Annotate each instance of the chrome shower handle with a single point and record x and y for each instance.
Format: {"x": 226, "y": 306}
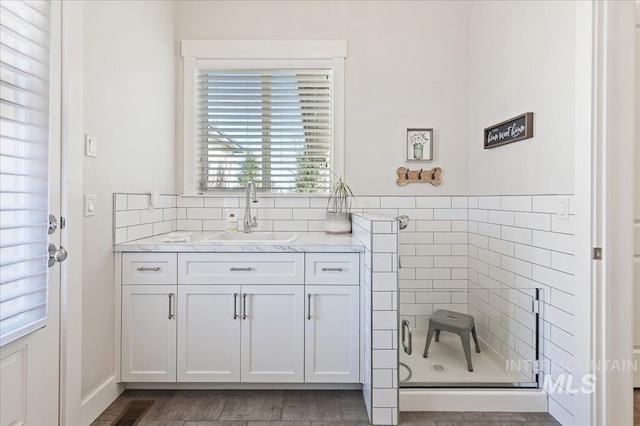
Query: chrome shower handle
{"x": 406, "y": 325}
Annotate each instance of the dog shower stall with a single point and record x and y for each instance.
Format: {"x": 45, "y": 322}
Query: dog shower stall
{"x": 483, "y": 322}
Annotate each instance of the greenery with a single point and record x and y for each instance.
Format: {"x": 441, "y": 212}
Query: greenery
{"x": 250, "y": 170}
{"x": 340, "y": 198}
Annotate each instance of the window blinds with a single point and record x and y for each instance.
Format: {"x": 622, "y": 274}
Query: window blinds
{"x": 270, "y": 126}
{"x": 24, "y": 151}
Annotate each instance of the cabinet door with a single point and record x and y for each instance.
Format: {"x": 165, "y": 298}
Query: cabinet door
{"x": 332, "y": 334}
{"x": 149, "y": 333}
{"x": 273, "y": 333}
{"x": 209, "y": 333}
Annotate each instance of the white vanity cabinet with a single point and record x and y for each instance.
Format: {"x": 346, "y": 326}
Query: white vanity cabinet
{"x": 209, "y": 333}
{"x": 265, "y": 340}
{"x": 240, "y": 317}
{"x": 149, "y": 294}
{"x": 332, "y": 318}
{"x": 149, "y": 333}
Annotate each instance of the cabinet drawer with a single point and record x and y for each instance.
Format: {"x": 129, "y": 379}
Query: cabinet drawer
{"x": 241, "y": 268}
{"x": 149, "y": 268}
{"x": 332, "y": 268}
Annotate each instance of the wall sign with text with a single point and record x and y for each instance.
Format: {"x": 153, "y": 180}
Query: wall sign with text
{"x": 512, "y": 130}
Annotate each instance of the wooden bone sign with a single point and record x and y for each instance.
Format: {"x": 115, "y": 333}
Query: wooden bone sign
{"x": 406, "y": 176}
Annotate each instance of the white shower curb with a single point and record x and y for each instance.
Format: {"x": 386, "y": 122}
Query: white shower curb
{"x": 513, "y": 400}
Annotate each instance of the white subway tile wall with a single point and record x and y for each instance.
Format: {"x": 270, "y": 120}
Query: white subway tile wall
{"x": 479, "y": 255}
{"x": 380, "y": 315}
{"x": 518, "y": 244}
{"x": 133, "y": 218}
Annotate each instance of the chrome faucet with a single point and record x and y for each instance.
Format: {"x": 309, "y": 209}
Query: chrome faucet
{"x": 250, "y": 196}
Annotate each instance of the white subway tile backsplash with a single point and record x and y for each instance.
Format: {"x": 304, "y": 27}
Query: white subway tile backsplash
{"x": 139, "y": 231}
{"x": 397, "y": 202}
{"x": 385, "y": 358}
{"x": 382, "y": 227}
{"x": 501, "y": 246}
{"x": 121, "y": 202}
{"x": 540, "y": 221}
{"x": 450, "y": 214}
{"x": 501, "y": 217}
{"x": 450, "y": 261}
{"x": 562, "y": 262}
{"x": 147, "y": 216}
{"x": 489, "y": 229}
{"x": 490, "y": 203}
{"x": 127, "y": 218}
{"x": 554, "y": 241}
{"x": 450, "y": 237}
{"x": 563, "y": 226}
{"x": 286, "y": 202}
{"x": 387, "y": 243}
{"x": 522, "y": 203}
{"x": 533, "y": 254}
{"x": 162, "y": 227}
{"x": 517, "y": 266}
{"x": 276, "y": 214}
{"x": 479, "y": 215}
{"x": 228, "y": 202}
{"x": 518, "y": 235}
{"x": 190, "y": 202}
{"x": 189, "y": 225}
{"x": 433, "y": 202}
{"x": 137, "y": 201}
{"x": 460, "y": 202}
{"x": 121, "y": 236}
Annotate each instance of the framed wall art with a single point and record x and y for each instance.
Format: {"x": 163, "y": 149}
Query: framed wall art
{"x": 419, "y": 145}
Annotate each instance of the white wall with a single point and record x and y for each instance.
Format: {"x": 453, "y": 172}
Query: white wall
{"x": 129, "y": 52}
{"x": 406, "y": 67}
{"x": 522, "y": 59}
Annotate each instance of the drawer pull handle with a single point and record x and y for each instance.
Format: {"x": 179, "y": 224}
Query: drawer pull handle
{"x": 235, "y": 305}
{"x": 309, "y": 307}
{"x": 234, "y": 269}
{"x": 332, "y": 269}
{"x": 244, "y": 306}
{"x": 171, "y": 315}
{"x": 141, "y": 269}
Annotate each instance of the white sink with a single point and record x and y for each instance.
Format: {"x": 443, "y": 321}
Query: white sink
{"x": 252, "y": 238}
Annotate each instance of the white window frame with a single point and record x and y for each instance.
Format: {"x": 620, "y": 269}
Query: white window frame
{"x": 270, "y": 54}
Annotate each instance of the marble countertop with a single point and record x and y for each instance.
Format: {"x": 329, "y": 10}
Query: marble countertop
{"x": 316, "y": 242}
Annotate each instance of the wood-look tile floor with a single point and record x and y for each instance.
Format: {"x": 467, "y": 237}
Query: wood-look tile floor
{"x": 288, "y": 408}
{"x": 636, "y": 407}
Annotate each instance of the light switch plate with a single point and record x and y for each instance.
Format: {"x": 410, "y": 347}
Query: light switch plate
{"x": 89, "y": 204}
{"x": 90, "y": 145}
{"x": 563, "y": 209}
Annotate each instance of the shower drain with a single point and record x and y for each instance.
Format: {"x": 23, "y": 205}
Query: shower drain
{"x": 438, "y": 368}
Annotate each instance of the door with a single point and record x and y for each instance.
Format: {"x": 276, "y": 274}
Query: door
{"x": 272, "y": 347}
{"x": 30, "y": 158}
{"x": 149, "y": 333}
{"x": 332, "y": 334}
{"x": 209, "y": 333}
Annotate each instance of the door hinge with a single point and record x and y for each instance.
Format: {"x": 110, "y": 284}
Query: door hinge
{"x": 597, "y": 253}
{"x": 538, "y": 367}
{"x": 535, "y": 306}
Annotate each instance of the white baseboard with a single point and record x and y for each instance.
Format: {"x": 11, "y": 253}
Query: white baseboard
{"x": 247, "y": 386}
{"x": 94, "y": 404}
{"x": 516, "y": 400}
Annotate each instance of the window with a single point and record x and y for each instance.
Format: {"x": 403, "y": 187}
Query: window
{"x": 276, "y": 122}
{"x": 24, "y": 150}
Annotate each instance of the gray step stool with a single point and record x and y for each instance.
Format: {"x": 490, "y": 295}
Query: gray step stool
{"x": 454, "y": 322}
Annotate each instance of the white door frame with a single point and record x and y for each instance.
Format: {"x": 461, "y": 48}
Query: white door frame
{"x": 72, "y": 203}
{"x": 604, "y": 197}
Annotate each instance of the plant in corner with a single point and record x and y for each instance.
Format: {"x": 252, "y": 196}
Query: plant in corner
{"x": 338, "y": 218}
